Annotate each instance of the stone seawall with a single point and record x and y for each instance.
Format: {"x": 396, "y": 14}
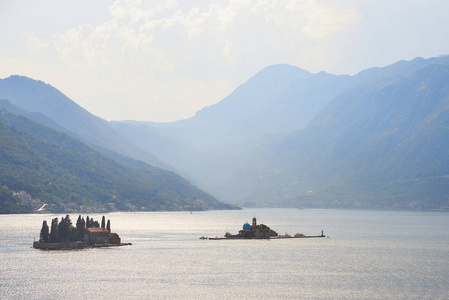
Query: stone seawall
{"x": 60, "y": 246}
{"x": 72, "y": 245}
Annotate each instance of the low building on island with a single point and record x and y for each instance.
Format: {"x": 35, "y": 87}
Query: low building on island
{"x": 254, "y": 231}
{"x": 95, "y": 236}
{"x": 87, "y": 234}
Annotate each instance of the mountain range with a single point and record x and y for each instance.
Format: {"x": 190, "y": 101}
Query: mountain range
{"x": 286, "y": 137}
{"x": 378, "y": 145}
{"x": 47, "y": 105}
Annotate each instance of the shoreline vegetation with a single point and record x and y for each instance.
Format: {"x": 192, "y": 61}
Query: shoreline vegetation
{"x": 87, "y": 233}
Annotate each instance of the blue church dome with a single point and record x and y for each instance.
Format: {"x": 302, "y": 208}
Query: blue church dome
{"x": 246, "y": 226}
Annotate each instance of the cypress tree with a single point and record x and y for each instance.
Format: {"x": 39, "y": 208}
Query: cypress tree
{"x": 69, "y": 229}
{"x": 54, "y": 234}
{"x": 79, "y": 223}
{"x": 83, "y": 227}
{"x": 91, "y": 223}
{"x": 61, "y": 230}
{"x": 87, "y": 222}
{"x": 79, "y": 229}
{"x": 44, "y": 232}
{"x": 108, "y": 226}
{"x": 103, "y": 225}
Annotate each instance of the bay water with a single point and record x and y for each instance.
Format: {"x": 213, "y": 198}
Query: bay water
{"x": 367, "y": 255}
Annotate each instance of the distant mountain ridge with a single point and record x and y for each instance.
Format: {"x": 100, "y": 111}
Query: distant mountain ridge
{"x": 246, "y": 148}
{"x": 288, "y": 137}
{"x": 211, "y": 148}
{"x": 386, "y": 143}
{"x": 35, "y": 96}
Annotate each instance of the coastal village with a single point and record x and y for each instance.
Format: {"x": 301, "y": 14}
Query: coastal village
{"x": 36, "y": 205}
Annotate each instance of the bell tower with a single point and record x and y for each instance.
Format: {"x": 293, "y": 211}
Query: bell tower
{"x": 254, "y": 221}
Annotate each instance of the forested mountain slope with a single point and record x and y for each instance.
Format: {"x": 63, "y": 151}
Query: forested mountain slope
{"x": 378, "y": 145}
{"x": 58, "y": 169}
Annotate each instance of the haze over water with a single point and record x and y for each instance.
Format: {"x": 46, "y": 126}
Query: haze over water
{"x": 368, "y": 255}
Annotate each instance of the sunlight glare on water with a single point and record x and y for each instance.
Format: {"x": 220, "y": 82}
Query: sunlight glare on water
{"x": 369, "y": 254}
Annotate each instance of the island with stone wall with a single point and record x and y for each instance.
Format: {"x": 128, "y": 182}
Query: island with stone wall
{"x": 87, "y": 233}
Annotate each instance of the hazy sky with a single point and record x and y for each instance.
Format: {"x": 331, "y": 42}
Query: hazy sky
{"x": 165, "y": 60}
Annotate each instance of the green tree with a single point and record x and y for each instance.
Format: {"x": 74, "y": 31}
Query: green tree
{"x": 108, "y": 226}
{"x": 70, "y": 231}
{"x": 80, "y": 229}
{"x": 54, "y": 234}
{"x": 61, "y": 230}
{"x": 45, "y": 232}
{"x": 66, "y": 230}
{"x": 103, "y": 225}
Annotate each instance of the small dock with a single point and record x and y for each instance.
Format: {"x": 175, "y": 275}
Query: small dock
{"x": 296, "y": 237}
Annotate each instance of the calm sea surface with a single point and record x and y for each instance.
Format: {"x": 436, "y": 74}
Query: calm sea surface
{"x": 368, "y": 255}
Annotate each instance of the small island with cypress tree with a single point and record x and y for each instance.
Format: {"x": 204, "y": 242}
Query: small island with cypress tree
{"x": 86, "y": 234}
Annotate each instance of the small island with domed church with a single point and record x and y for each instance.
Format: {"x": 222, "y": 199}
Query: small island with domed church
{"x": 260, "y": 231}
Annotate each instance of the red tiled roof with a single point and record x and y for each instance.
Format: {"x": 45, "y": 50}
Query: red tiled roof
{"x": 97, "y": 230}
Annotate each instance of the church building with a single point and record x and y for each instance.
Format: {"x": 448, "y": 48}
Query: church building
{"x": 253, "y": 231}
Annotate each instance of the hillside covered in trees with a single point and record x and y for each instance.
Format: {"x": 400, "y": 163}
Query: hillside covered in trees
{"x": 59, "y": 170}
